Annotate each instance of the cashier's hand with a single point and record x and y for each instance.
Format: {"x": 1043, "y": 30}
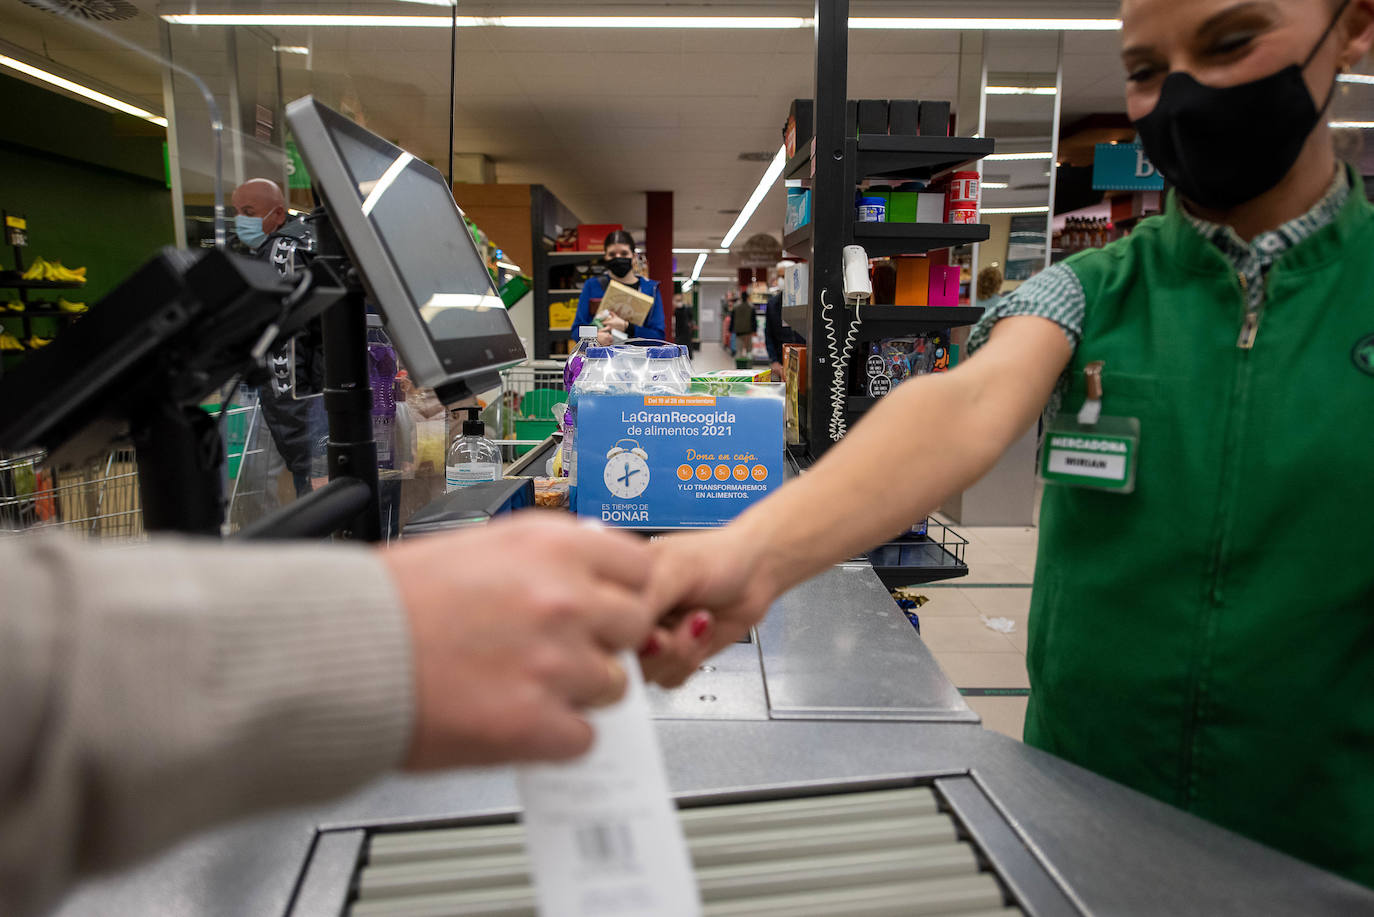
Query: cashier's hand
{"x": 513, "y": 628}
{"x": 715, "y": 588}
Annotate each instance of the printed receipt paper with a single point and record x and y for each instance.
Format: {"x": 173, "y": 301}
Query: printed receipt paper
{"x": 602, "y": 832}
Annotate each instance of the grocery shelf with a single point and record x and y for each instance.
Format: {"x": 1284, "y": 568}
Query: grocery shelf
{"x": 916, "y": 559}
{"x": 560, "y": 334}
{"x": 886, "y": 156}
{"x": 798, "y": 241}
{"x": 795, "y": 317}
{"x": 40, "y": 313}
{"x": 565, "y": 292}
{"x": 901, "y": 157}
{"x": 895, "y": 321}
{"x": 798, "y": 163}
{"x": 564, "y": 257}
{"x": 882, "y": 240}
{"x": 13, "y": 280}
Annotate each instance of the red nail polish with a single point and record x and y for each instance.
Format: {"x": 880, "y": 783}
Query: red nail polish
{"x": 700, "y": 625}
{"x": 650, "y": 647}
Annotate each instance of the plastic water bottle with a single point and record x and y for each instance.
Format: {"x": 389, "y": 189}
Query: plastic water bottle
{"x": 627, "y": 370}
{"x": 593, "y": 379}
{"x": 662, "y": 374}
{"x": 684, "y": 366}
{"x": 571, "y": 371}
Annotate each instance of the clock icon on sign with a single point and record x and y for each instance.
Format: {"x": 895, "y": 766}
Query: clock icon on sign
{"x": 627, "y": 470}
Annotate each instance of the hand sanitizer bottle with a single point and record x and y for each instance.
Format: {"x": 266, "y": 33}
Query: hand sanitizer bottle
{"x": 472, "y": 459}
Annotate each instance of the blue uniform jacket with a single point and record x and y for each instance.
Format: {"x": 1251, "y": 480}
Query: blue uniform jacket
{"x": 653, "y": 325}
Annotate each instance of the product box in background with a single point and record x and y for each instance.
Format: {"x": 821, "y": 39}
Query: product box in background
{"x": 591, "y": 237}
{"x": 678, "y": 461}
{"x": 944, "y": 286}
{"x": 798, "y": 209}
{"x": 930, "y": 207}
{"x": 873, "y": 116}
{"x": 794, "y": 390}
{"x": 796, "y": 133}
{"x": 627, "y": 302}
{"x": 913, "y": 281}
{"x": 934, "y": 118}
{"x": 796, "y": 285}
{"x": 723, "y": 381}
{"x": 904, "y": 117}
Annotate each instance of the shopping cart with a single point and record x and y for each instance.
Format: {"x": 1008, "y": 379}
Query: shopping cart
{"x": 98, "y": 499}
{"x": 524, "y": 407}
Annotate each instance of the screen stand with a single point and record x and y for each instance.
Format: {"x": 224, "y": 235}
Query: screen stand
{"x": 180, "y": 467}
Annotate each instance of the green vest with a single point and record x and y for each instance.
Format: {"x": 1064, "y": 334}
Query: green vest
{"x": 1209, "y": 638}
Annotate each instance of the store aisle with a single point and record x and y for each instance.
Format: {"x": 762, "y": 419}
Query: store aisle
{"x": 990, "y": 665}
{"x": 712, "y": 357}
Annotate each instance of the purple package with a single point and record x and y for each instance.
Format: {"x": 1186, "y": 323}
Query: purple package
{"x": 381, "y": 375}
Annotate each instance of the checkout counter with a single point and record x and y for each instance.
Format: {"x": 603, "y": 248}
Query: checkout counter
{"x": 830, "y": 751}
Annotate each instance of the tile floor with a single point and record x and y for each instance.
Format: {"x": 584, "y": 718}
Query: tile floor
{"x": 1001, "y": 565}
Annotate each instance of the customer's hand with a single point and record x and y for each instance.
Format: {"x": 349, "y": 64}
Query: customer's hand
{"x": 604, "y": 338}
{"x": 615, "y": 322}
{"x": 514, "y": 627}
{"x": 715, "y": 587}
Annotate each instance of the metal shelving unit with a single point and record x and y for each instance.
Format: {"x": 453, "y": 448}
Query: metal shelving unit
{"x": 547, "y": 213}
{"x": 840, "y": 161}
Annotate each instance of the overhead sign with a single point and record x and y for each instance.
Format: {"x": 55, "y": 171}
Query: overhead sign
{"x": 1124, "y": 167}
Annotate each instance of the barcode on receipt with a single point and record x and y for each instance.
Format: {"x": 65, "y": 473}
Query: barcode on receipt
{"x": 605, "y": 847}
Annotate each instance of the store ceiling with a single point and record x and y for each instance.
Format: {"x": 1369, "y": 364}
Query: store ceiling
{"x": 601, "y": 115}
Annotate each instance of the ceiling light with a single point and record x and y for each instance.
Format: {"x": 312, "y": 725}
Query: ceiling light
{"x": 990, "y": 25}
{"x": 506, "y": 265}
{"x": 1009, "y": 157}
{"x": 291, "y": 49}
{"x": 696, "y": 271}
{"x": 1362, "y": 125}
{"x": 1355, "y": 78}
{"x": 509, "y": 22}
{"x": 83, "y": 91}
{"x": 1021, "y": 90}
{"x": 690, "y": 251}
{"x": 687, "y": 280}
{"x": 1015, "y": 210}
{"x": 722, "y": 251}
{"x": 630, "y": 22}
{"x": 995, "y": 185}
{"x": 770, "y": 175}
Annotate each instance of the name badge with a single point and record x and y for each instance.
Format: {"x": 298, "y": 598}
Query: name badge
{"x": 1092, "y": 450}
{"x": 1102, "y": 456}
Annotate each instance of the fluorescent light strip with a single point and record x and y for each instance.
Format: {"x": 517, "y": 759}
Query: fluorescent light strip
{"x": 508, "y": 266}
{"x": 990, "y": 25}
{"x": 995, "y": 185}
{"x": 691, "y": 251}
{"x": 1355, "y": 78}
{"x": 633, "y": 22}
{"x": 1015, "y": 210}
{"x": 84, "y": 91}
{"x": 696, "y": 271}
{"x": 770, "y": 175}
{"x": 1016, "y": 157}
{"x": 685, "y": 279}
{"x": 1021, "y": 90}
{"x": 392, "y": 172}
{"x": 291, "y": 49}
{"x": 1359, "y": 125}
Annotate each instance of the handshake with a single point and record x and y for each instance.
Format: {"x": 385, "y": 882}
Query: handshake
{"x": 515, "y": 628}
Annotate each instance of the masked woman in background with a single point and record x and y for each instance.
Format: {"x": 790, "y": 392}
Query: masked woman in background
{"x": 620, "y": 266}
{"x": 1202, "y": 620}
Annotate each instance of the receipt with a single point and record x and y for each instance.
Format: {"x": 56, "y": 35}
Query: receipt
{"x": 602, "y": 833}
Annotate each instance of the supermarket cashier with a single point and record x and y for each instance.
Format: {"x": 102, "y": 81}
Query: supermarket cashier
{"x": 1207, "y": 636}
{"x": 620, "y": 264}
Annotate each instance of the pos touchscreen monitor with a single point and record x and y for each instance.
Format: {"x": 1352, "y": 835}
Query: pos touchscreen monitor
{"x": 405, "y": 234}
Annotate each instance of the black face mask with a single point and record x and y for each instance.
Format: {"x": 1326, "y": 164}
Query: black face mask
{"x": 1223, "y": 147}
{"x": 620, "y": 267}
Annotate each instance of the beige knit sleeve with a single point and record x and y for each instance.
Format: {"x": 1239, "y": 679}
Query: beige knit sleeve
{"x": 148, "y": 691}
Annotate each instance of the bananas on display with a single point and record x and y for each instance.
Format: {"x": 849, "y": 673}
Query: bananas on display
{"x": 36, "y": 342}
{"x": 9, "y": 342}
{"x": 14, "y": 305}
{"x": 75, "y": 308}
{"x": 54, "y": 271}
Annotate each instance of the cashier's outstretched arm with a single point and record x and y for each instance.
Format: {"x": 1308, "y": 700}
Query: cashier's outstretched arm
{"x": 149, "y": 691}
{"x": 930, "y": 438}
